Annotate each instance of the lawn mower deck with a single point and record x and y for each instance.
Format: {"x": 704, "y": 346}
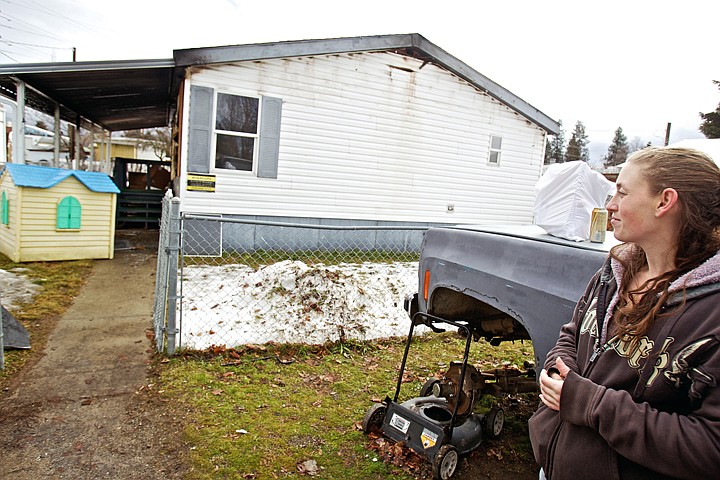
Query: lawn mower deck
{"x": 440, "y": 424}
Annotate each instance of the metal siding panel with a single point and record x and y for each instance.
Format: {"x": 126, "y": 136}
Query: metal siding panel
{"x": 361, "y": 140}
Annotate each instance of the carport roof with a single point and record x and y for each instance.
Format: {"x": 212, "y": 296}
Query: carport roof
{"x": 127, "y": 95}
{"x": 117, "y": 95}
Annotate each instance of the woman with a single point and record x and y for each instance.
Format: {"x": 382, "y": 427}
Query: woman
{"x": 630, "y": 389}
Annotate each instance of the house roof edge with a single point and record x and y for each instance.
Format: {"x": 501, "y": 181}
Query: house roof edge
{"x": 415, "y": 41}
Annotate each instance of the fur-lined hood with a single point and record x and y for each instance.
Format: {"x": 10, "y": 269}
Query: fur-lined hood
{"x": 698, "y": 282}
{"x": 705, "y": 274}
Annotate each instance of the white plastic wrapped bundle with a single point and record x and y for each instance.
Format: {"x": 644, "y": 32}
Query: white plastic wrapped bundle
{"x": 565, "y": 197}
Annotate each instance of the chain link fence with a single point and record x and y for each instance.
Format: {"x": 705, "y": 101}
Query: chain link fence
{"x": 244, "y": 281}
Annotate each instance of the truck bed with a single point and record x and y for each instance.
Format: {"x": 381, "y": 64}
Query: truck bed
{"x": 507, "y": 282}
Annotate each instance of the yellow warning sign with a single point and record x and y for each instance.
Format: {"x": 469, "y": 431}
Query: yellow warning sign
{"x": 202, "y": 183}
{"x": 429, "y": 439}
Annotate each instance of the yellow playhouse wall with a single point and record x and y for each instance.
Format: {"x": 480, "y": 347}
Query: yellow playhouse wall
{"x": 39, "y": 240}
{"x": 9, "y": 233}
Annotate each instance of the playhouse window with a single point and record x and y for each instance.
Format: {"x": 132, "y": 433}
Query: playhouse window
{"x": 69, "y": 212}
{"x": 236, "y": 132}
{"x": 4, "y": 209}
{"x": 495, "y": 150}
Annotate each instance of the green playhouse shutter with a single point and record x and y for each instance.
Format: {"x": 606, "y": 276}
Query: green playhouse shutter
{"x": 4, "y": 210}
{"x": 69, "y": 212}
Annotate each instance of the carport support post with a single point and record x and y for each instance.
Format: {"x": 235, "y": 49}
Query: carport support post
{"x": 56, "y": 140}
{"x": 19, "y": 125}
{"x": 78, "y": 145}
{"x": 173, "y": 250}
{"x": 107, "y": 165}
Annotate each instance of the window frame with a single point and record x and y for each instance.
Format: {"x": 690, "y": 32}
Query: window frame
{"x": 496, "y": 151}
{"x": 74, "y": 215}
{"x": 215, "y": 132}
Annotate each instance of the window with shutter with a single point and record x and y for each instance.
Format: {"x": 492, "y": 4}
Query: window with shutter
{"x": 245, "y": 130}
{"x": 69, "y": 213}
{"x": 236, "y": 132}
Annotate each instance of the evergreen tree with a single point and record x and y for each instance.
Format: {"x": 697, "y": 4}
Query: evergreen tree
{"x": 557, "y": 147}
{"x": 618, "y": 149}
{"x": 582, "y": 141}
{"x": 710, "y": 127}
{"x": 548, "y": 158}
{"x": 577, "y": 147}
{"x": 572, "y": 153}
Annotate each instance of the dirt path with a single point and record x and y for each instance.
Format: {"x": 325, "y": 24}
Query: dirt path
{"x": 83, "y": 411}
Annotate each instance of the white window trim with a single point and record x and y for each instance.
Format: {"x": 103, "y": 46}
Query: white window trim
{"x": 215, "y": 132}
{"x": 492, "y": 150}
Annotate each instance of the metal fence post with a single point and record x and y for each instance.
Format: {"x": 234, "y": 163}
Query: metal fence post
{"x": 160, "y": 307}
{"x": 173, "y": 248}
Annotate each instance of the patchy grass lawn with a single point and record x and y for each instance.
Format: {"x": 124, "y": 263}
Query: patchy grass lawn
{"x": 60, "y": 282}
{"x": 269, "y": 412}
{"x": 266, "y": 412}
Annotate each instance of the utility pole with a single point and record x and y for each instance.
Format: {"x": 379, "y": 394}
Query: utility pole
{"x": 667, "y": 134}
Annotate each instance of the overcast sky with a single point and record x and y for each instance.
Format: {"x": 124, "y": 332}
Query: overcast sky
{"x": 633, "y": 64}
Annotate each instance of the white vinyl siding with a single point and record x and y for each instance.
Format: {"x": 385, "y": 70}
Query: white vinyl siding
{"x": 374, "y": 136}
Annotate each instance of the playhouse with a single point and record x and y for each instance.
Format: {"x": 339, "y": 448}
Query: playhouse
{"x": 56, "y": 214}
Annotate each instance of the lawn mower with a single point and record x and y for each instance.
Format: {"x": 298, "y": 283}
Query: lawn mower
{"x": 440, "y": 424}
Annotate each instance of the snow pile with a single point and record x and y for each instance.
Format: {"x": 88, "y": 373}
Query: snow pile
{"x": 292, "y": 302}
{"x": 16, "y": 288}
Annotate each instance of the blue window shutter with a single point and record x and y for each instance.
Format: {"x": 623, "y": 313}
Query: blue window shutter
{"x": 269, "y": 137}
{"x": 200, "y": 129}
{"x": 69, "y": 213}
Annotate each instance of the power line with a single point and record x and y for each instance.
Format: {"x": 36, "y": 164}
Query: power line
{"x": 2, "y": 52}
{"x": 12, "y": 42}
{"x": 33, "y": 29}
{"x": 32, "y": 50}
{"x": 45, "y": 9}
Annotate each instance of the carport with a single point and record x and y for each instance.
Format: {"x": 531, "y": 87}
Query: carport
{"x": 102, "y": 97}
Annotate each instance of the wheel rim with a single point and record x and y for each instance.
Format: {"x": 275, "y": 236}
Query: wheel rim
{"x": 498, "y": 422}
{"x": 374, "y": 418}
{"x": 377, "y": 417}
{"x": 448, "y": 465}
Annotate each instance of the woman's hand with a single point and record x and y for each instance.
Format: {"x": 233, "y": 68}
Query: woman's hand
{"x": 551, "y": 385}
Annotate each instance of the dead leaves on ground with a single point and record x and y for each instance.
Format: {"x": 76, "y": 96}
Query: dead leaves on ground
{"x": 397, "y": 455}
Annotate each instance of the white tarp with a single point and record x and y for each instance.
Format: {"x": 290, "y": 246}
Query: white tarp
{"x": 709, "y": 146}
{"x": 565, "y": 197}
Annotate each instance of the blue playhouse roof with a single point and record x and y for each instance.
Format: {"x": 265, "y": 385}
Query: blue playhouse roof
{"x": 46, "y": 177}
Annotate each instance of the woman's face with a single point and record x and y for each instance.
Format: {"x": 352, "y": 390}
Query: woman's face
{"x": 632, "y": 209}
